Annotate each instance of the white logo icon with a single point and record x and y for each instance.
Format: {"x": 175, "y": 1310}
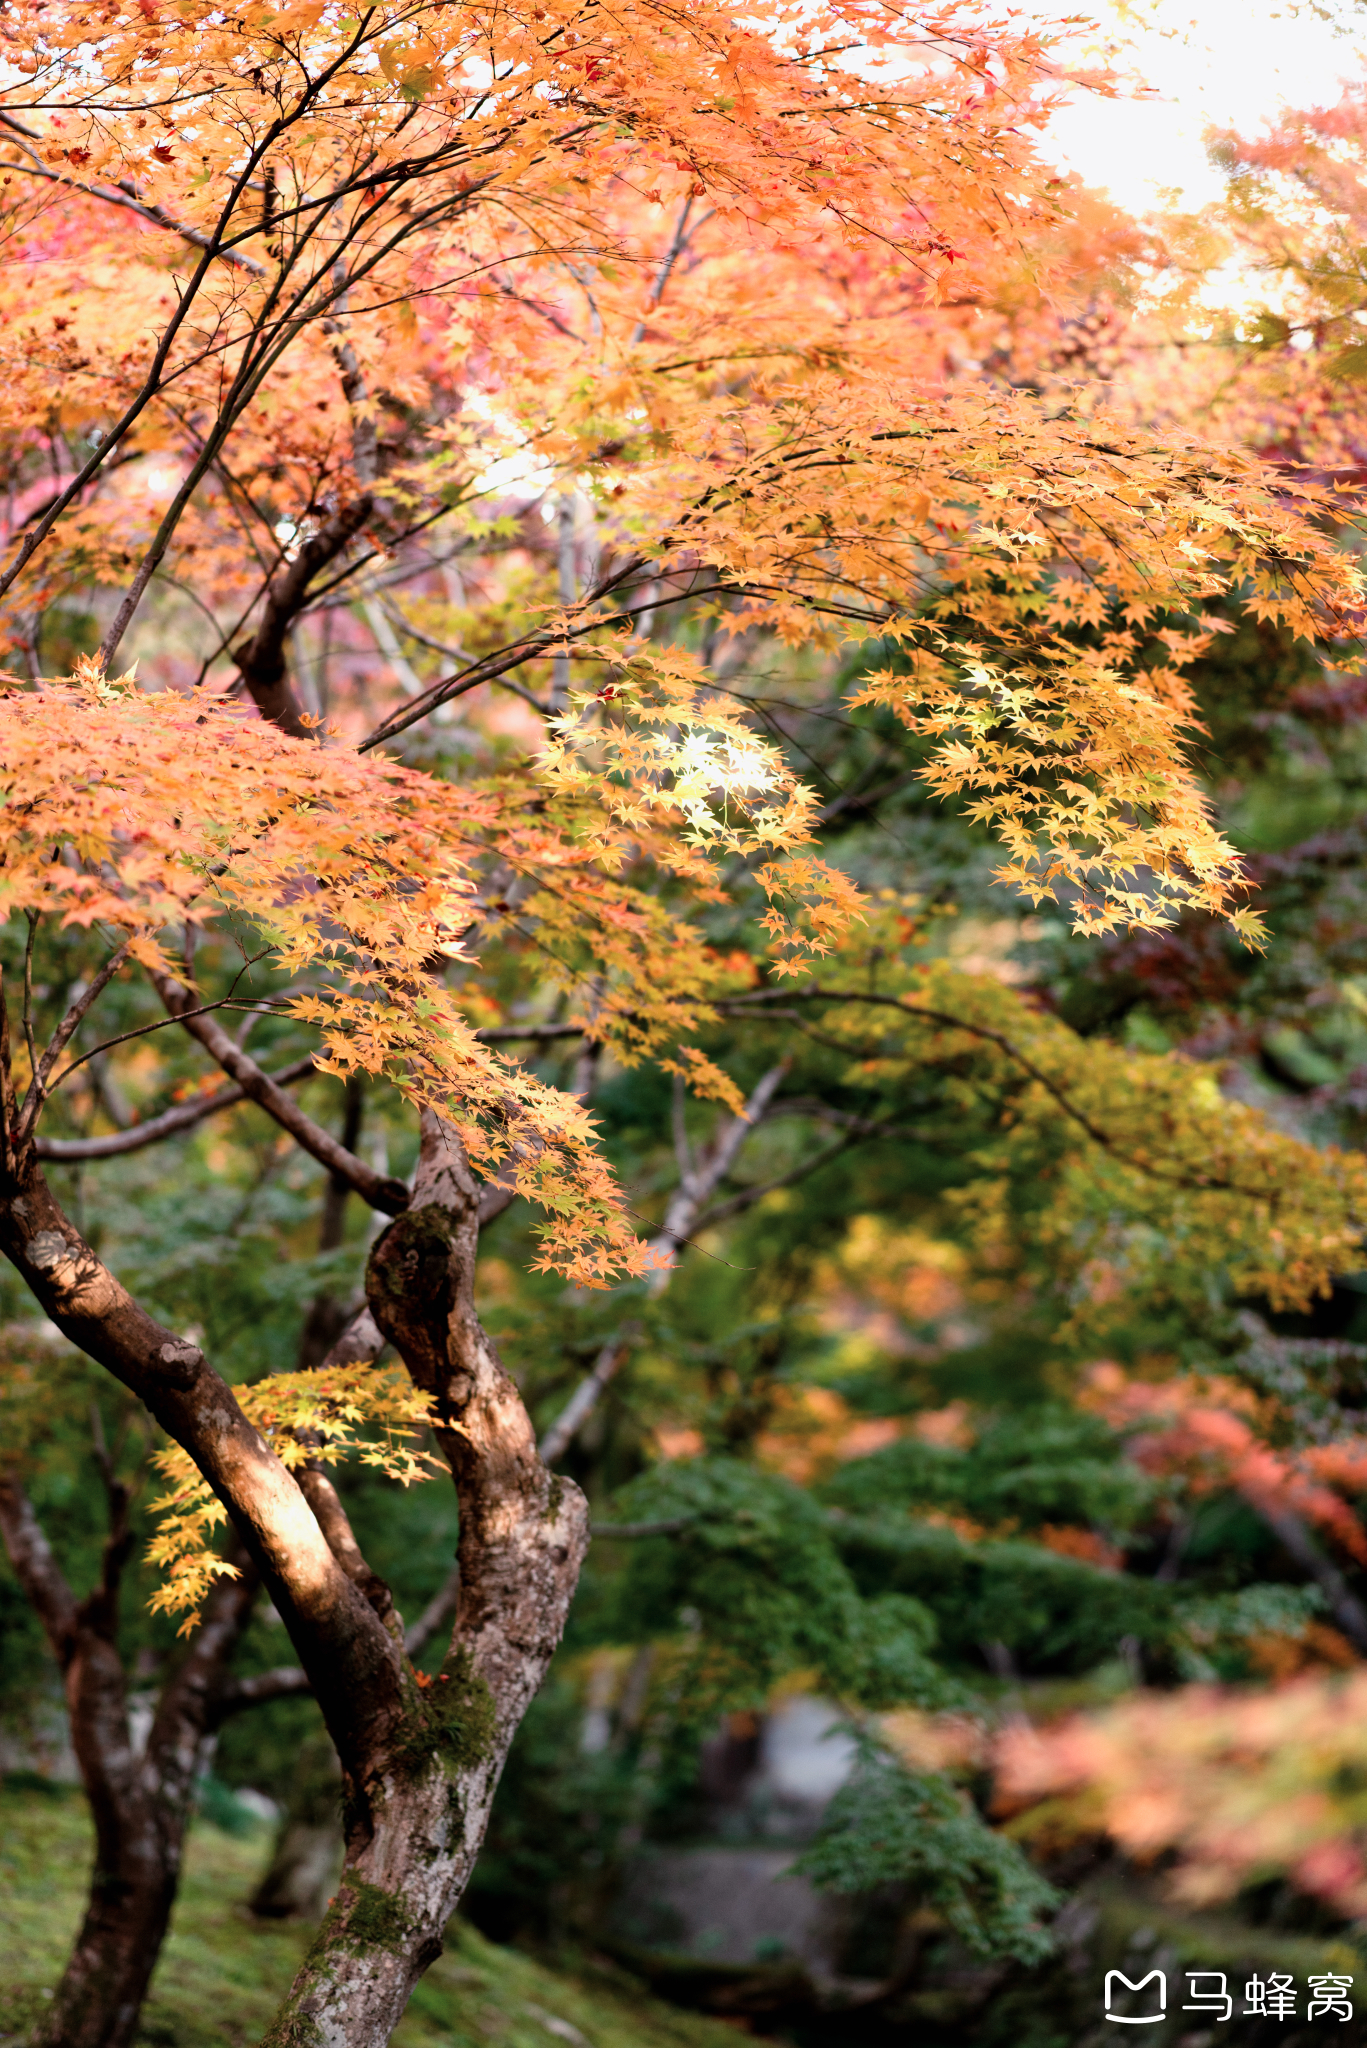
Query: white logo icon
{"x": 1132, "y": 2019}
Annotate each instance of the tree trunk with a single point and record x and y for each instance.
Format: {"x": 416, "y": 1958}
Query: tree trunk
{"x": 140, "y": 1804}
{"x": 419, "y": 1791}
{"x": 420, "y": 1759}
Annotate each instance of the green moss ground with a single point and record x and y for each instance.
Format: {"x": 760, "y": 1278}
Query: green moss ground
{"x": 221, "y": 1974}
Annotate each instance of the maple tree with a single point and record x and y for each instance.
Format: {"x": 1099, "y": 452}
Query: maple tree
{"x": 323, "y": 284}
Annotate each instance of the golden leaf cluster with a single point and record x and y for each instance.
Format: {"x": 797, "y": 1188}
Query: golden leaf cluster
{"x": 370, "y": 1412}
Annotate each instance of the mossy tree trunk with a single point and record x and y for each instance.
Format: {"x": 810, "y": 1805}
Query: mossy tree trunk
{"x": 418, "y": 1793}
{"x": 420, "y": 1760}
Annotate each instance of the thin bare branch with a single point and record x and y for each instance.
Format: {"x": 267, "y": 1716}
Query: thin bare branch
{"x": 1299, "y": 1544}
{"x": 587, "y": 1394}
{"x": 37, "y": 1569}
{"x": 699, "y": 1181}
{"x": 125, "y": 194}
{"x": 678, "y": 243}
{"x": 856, "y": 1130}
{"x": 380, "y": 1191}
{"x": 697, "y": 1186}
{"x": 182, "y": 1117}
{"x": 518, "y": 1034}
{"x": 783, "y": 999}
{"x": 735, "y": 1205}
{"x": 61, "y": 1037}
{"x": 285, "y": 1682}
{"x": 331, "y": 1517}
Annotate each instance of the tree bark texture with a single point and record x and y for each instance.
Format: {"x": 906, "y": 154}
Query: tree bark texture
{"x": 262, "y": 657}
{"x": 418, "y": 1792}
{"x": 140, "y": 1802}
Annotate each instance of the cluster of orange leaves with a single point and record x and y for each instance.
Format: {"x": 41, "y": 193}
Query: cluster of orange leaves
{"x": 1211, "y": 1433}
{"x": 1243, "y": 1785}
{"x": 134, "y": 814}
{"x": 503, "y": 175}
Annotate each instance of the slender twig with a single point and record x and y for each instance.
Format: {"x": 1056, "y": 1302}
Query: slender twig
{"x": 678, "y": 243}
{"x": 38, "y": 1089}
{"x": 32, "y": 916}
{"x": 912, "y": 1009}
{"x": 276, "y": 327}
{"x": 697, "y": 1185}
{"x": 699, "y": 1180}
{"x": 720, "y": 1212}
{"x": 390, "y": 1195}
{"x": 182, "y": 1117}
{"x": 586, "y": 1395}
{"x": 514, "y": 1034}
{"x": 781, "y": 998}
{"x": 528, "y": 648}
{"x": 152, "y": 382}
{"x": 223, "y": 1003}
{"x": 858, "y": 1131}
{"x": 287, "y": 1681}
{"x": 126, "y": 195}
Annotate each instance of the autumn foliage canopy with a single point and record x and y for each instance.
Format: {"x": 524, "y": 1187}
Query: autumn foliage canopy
{"x": 371, "y": 256}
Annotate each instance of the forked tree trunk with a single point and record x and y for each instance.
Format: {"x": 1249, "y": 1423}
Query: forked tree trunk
{"x": 140, "y": 1802}
{"x": 419, "y": 1786}
{"x": 420, "y": 1761}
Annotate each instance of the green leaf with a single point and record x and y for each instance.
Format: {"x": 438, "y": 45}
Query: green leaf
{"x": 892, "y": 1825}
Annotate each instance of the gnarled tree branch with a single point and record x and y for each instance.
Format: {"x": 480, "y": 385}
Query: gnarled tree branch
{"x": 349, "y": 1655}
{"x": 522, "y": 1539}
